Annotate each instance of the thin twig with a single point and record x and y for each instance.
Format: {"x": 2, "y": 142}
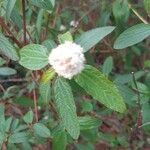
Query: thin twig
{"x": 2, "y": 88}
{"x": 137, "y": 14}
{"x": 30, "y": 36}
{"x": 35, "y": 105}
{"x": 139, "y": 117}
{"x": 147, "y": 123}
{"x": 24, "y": 22}
{"x": 56, "y": 15}
{"x": 107, "y": 44}
{"x": 35, "y": 100}
{"x": 136, "y": 131}
{"x": 6, "y": 28}
{"x": 14, "y": 80}
{"x": 46, "y": 31}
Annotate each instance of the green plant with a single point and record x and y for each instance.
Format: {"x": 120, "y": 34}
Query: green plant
{"x": 58, "y": 84}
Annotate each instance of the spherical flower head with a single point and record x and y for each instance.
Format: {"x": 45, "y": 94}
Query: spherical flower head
{"x": 67, "y": 59}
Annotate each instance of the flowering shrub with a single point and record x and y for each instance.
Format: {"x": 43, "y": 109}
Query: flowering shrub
{"x": 56, "y": 86}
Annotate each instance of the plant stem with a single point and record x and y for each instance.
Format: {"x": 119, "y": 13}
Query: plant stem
{"x": 14, "y": 80}
{"x": 137, "y": 14}
{"x": 139, "y": 117}
{"x": 136, "y": 131}
{"x": 35, "y": 100}
{"x": 24, "y": 21}
{"x": 35, "y": 105}
{"x": 11, "y": 36}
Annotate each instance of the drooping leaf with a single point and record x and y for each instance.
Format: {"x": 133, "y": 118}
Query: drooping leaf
{"x": 65, "y": 37}
{"x": 18, "y": 137}
{"x": 98, "y": 86}
{"x": 45, "y": 4}
{"x": 6, "y": 71}
{"x": 24, "y": 101}
{"x": 128, "y": 78}
{"x": 9, "y": 8}
{"x": 41, "y": 130}
{"x": 45, "y": 92}
{"x": 90, "y": 38}
{"x": 8, "y": 124}
{"x": 20, "y": 128}
{"x": 11, "y": 91}
{"x": 16, "y": 18}
{"x": 66, "y": 107}
{"x": 34, "y": 56}
{"x": 39, "y": 21}
{"x": 14, "y": 124}
{"x": 107, "y": 66}
{"x": 59, "y": 140}
{"x": 132, "y": 36}
{"x": 120, "y": 11}
{"x": 87, "y": 122}
{"x": 147, "y": 6}
{"x": 7, "y": 48}
{"x": 28, "y": 117}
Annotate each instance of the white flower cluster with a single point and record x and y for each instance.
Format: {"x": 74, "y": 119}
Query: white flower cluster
{"x": 74, "y": 23}
{"x": 62, "y": 28}
{"x": 67, "y": 59}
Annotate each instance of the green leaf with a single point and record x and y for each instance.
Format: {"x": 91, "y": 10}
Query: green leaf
{"x": 147, "y": 63}
{"x": 48, "y": 75}
{"x": 66, "y": 107}
{"x": 2, "y": 108}
{"x": 21, "y": 128}
{"x": 8, "y": 124}
{"x": 2, "y": 139}
{"x": 24, "y": 101}
{"x": 121, "y": 11}
{"x": 34, "y": 56}
{"x": 90, "y": 38}
{"x": 98, "y": 86}
{"x": 145, "y": 113}
{"x": 49, "y": 44}
{"x": 65, "y": 37}
{"x": 19, "y": 137}
{"x": 107, "y": 66}
{"x": 16, "y": 18}
{"x": 9, "y": 8}
{"x": 2, "y": 61}
{"x": 147, "y": 6}
{"x": 2, "y": 119}
{"x": 41, "y": 130}
{"x": 14, "y": 125}
{"x": 39, "y": 21}
{"x": 45, "y": 92}
{"x": 28, "y": 117}
{"x": 6, "y": 71}
{"x": 86, "y": 106}
{"x": 87, "y": 122}
{"x": 128, "y": 78}
{"x": 45, "y": 4}
{"x": 59, "y": 140}
{"x": 132, "y": 36}
{"x": 7, "y": 48}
